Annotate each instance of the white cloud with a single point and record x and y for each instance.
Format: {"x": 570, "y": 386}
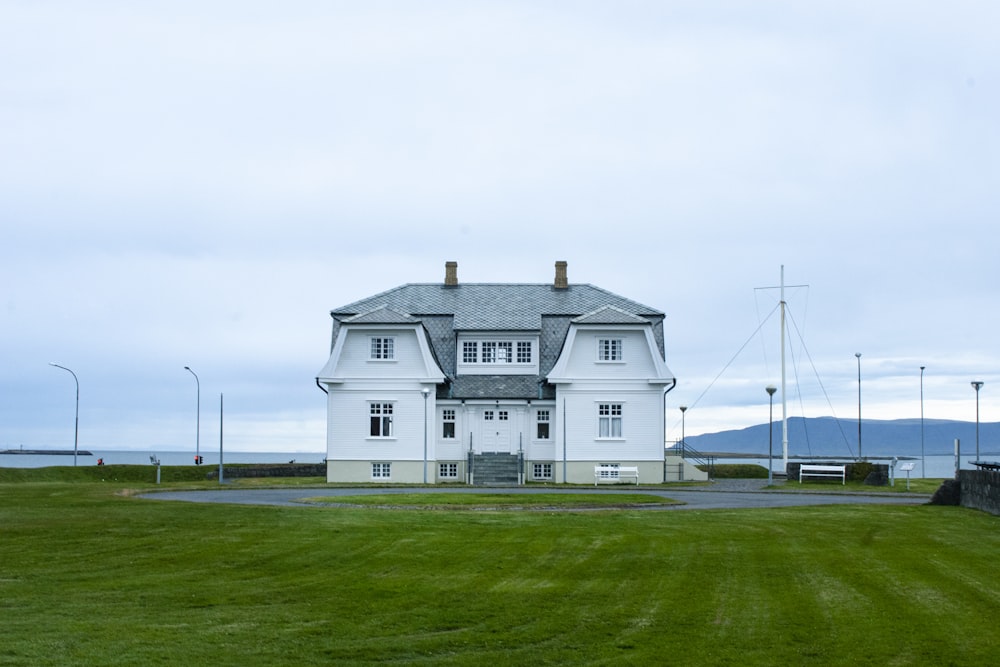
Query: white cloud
{"x": 199, "y": 184}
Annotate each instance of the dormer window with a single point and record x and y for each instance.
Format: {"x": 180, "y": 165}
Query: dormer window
{"x": 504, "y": 352}
{"x": 609, "y": 349}
{"x": 496, "y": 352}
{"x": 383, "y": 348}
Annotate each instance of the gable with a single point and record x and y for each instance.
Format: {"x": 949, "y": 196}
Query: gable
{"x": 610, "y": 315}
{"x": 381, "y": 315}
{"x": 539, "y": 310}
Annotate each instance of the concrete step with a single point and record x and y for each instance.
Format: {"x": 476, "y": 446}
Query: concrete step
{"x": 495, "y": 470}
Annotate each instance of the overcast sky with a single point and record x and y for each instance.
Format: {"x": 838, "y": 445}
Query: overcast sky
{"x": 200, "y": 183}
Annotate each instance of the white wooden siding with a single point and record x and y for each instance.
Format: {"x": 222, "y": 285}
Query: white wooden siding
{"x": 355, "y": 357}
{"x": 636, "y": 358}
{"x": 348, "y": 426}
{"x": 642, "y": 436}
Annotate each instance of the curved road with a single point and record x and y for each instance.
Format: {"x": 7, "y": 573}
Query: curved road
{"x": 718, "y": 496}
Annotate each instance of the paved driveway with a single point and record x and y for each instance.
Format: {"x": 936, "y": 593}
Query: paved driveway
{"x": 725, "y": 494}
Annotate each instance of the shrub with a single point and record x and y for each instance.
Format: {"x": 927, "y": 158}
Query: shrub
{"x": 859, "y": 471}
{"x": 736, "y": 471}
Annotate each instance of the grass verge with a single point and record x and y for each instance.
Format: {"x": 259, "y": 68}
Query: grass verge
{"x": 487, "y": 501}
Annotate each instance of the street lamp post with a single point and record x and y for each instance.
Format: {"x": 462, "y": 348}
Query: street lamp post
{"x": 222, "y": 472}
{"x": 683, "y": 409}
{"x": 770, "y": 389}
{"x": 923, "y": 464}
{"x": 858, "y": 355}
{"x": 977, "y": 385}
{"x": 76, "y": 425}
{"x": 197, "y": 432}
{"x": 426, "y": 392}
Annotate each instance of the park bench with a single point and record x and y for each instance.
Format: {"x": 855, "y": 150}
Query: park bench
{"x": 615, "y": 473}
{"x": 810, "y": 470}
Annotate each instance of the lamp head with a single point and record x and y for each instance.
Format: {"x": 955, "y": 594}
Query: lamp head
{"x": 683, "y": 408}
{"x": 976, "y": 384}
{"x": 770, "y": 389}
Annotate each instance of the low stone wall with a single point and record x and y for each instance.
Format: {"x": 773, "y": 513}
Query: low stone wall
{"x": 270, "y": 470}
{"x": 980, "y": 489}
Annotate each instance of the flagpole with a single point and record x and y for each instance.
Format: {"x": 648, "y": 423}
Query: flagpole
{"x": 784, "y": 401}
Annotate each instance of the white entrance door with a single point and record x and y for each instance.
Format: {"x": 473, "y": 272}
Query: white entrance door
{"x": 496, "y": 431}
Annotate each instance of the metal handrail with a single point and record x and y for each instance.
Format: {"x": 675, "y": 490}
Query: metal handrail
{"x": 687, "y": 452}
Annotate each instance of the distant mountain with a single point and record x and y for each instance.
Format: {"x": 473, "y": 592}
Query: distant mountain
{"x": 829, "y": 436}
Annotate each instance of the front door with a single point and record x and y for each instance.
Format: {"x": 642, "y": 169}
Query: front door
{"x": 496, "y": 430}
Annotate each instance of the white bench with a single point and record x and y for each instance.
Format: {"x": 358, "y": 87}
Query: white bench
{"x": 808, "y": 470}
{"x": 615, "y": 474}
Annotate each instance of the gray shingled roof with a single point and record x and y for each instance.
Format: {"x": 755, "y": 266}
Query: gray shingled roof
{"x": 381, "y": 316}
{"x": 495, "y": 306}
{"x": 610, "y": 315}
{"x": 495, "y": 386}
{"x": 536, "y": 308}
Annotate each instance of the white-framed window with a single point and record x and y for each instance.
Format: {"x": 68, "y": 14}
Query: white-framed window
{"x": 609, "y": 349}
{"x": 380, "y": 420}
{"x": 497, "y": 351}
{"x": 609, "y": 420}
{"x": 542, "y": 471}
{"x": 448, "y": 470}
{"x": 448, "y": 424}
{"x": 383, "y": 348}
{"x": 381, "y": 470}
{"x": 607, "y": 471}
{"x": 542, "y": 424}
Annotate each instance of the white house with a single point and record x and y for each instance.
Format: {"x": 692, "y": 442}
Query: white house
{"x": 453, "y": 382}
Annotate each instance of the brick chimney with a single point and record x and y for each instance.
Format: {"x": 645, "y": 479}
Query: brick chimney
{"x": 561, "y": 281}
{"x": 451, "y": 274}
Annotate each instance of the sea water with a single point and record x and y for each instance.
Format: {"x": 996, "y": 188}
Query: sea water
{"x": 937, "y": 466}
{"x": 146, "y": 457}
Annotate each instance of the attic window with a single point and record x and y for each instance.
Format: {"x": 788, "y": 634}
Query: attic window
{"x": 609, "y": 349}
{"x": 383, "y": 349}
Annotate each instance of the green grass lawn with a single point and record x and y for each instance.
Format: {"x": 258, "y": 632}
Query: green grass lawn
{"x": 92, "y": 576}
{"x": 481, "y": 501}
{"x": 925, "y": 486}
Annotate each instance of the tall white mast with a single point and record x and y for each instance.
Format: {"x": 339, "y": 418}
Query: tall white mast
{"x": 784, "y": 402}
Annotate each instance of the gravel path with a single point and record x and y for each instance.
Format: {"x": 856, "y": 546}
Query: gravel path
{"x": 720, "y": 494}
